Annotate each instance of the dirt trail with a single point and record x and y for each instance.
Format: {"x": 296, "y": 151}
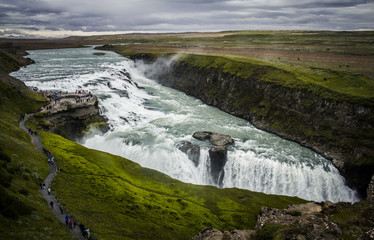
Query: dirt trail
{"x": 35, "y": 139}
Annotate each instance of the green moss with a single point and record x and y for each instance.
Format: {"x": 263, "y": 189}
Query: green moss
{"x": 136, "y": 201}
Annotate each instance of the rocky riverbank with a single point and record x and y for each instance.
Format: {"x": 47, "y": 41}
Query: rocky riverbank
{"x": 338, "y": 129}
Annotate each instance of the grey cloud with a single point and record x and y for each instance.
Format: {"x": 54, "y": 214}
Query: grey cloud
{"x": 186, "y": 15}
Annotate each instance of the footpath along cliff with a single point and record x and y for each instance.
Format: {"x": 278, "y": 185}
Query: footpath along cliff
{"x": 334, "y": 124}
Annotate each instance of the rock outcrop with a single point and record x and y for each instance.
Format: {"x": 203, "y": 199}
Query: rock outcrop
{"x": 73, "y": 120}
{"x": 215, "y": 138}
{"x": 217, "y": 153}
{"x": 210, "y": 233}
{"x": 339, "y": 130}
{"x": 191, "y": 150}
{"x": 304, "y": 221}
{"x": 307, "y": 221}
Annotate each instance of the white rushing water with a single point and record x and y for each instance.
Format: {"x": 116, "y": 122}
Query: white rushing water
{"x": 147, "y": 124}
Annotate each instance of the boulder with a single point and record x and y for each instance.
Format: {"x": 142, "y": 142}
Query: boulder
{"x": 218, "y": 158}
{"x": 217, "y": 153}
{"x": 215, "y": 138}
{"x": 308, "y": 216}
{"x": 202, "y": 135}
{"x": 99, "y": 53}
{"x": 191, "y": 150}
{"x": 220, "y": 139}
{"x": 126, "y": 74}
{"x": 210, "y": 233}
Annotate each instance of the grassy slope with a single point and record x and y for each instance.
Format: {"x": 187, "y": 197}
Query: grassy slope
{"x": 24, "y": 214}
{"x": 118, "y": 199}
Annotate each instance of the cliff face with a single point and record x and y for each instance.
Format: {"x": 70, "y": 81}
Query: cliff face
{"x": 71, "y": 120}
{"x": 339, "y": 130}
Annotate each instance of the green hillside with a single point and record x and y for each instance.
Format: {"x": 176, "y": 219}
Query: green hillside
{"x": 118, "y": 199}
{"x": 24, "y": 214}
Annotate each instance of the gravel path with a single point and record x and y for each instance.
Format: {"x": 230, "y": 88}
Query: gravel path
{"x": 35, "y": 139}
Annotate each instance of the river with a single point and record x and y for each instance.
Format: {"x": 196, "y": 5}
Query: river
{"x": 148, "y": 122}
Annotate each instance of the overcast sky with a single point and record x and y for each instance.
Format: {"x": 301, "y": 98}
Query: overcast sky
{"x": 61, "y": 18}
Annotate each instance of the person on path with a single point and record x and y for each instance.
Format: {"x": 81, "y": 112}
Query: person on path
{"x": 87, "y": 233}
{"x": 61, "y": 209}
{"x": 49, "y": 191}
{"x": 43, "y": 185}
{"x": 71, "y": 224}
{"x": 51, "y": 203}
{"x": 67, "y": 220}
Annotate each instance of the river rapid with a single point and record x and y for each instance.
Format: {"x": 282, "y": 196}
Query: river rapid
{"x": 148, "y": 121}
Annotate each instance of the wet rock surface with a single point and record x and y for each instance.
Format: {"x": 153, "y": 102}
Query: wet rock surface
{"x": 215, "y": 138}
{"x": 191, "y": 150}
{"x": 217, "y": 153}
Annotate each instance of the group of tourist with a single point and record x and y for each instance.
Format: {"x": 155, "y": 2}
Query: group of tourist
{"x": 69, "y": 221}
{"x": 82, "y": 100}
{"x": 31, "y": 132}
{"x": 51, "y": 158}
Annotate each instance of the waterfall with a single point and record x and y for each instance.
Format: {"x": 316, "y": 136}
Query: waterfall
{"x": 149, "y": 121}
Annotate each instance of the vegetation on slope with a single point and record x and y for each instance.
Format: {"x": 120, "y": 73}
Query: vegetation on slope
{"x": 118, "y": 199}
{"x": 325, "y": 83}
{"x": 24, "y": 214}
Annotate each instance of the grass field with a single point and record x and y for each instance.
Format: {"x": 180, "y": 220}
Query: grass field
{"x": 337, "y": 65}
{"x": 341, "y": 51}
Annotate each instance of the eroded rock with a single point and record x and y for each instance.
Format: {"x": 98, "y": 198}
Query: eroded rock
{"x": 210, "y": 233}
{"x": 191, "y": 150}
{"x": 218, "y": 158}
{"x": 217, "y": 153}
{"x": 215, "y": 138}
{"x": 308, "y": 218}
